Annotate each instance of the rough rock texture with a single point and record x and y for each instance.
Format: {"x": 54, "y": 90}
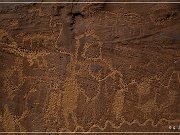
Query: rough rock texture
{"x": 89, "y": 67}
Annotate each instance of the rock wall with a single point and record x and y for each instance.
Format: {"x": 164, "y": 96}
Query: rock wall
{"x": 89, "y": 67}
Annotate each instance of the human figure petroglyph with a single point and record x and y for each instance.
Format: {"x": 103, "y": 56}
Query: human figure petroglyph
{"x": 105, "y": 72}
{"x": 73, "y": 90}
{"x": 97, "y": 61}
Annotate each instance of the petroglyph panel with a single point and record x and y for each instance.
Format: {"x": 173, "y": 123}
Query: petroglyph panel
{"x": 89, "y": 67}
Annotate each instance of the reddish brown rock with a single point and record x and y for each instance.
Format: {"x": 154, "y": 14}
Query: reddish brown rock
{"x": 89, "y": 67}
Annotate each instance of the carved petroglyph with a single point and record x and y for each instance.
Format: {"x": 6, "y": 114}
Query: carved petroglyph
{"x": 13, "y": 72}
{"x": 14, "y": 23}
{"x": 36, "y": 11}
{"x": 143, "y": 88}
{"x": 172, "y": 96}
{"x": 54, "y": 26}
{"x": 53, "y": 109}
{"x": 31, "y": 56}
{"x": 147, "y": 107}
{"x": 107, "y": 19}
{"x": 134, "y": 20}
{"x": 100, "y": 70}
{"x": 37, "y": 38}
{"x": 70, "y": 95}
{"x": 162, "y": 14}
{"x": 92, "y": 51}
{"x": 71, "y": 91}
{"x": 8, "y": 120}
{"x": 6, "y": 39}
{"x": 110, "y": 79}
{"x": 118, "y": 103}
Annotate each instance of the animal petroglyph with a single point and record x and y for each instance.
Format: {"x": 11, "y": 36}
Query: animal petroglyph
{"x": 31, "y": 56}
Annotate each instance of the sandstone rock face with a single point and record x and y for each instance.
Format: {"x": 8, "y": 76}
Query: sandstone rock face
{"x": 89, "y": 67}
